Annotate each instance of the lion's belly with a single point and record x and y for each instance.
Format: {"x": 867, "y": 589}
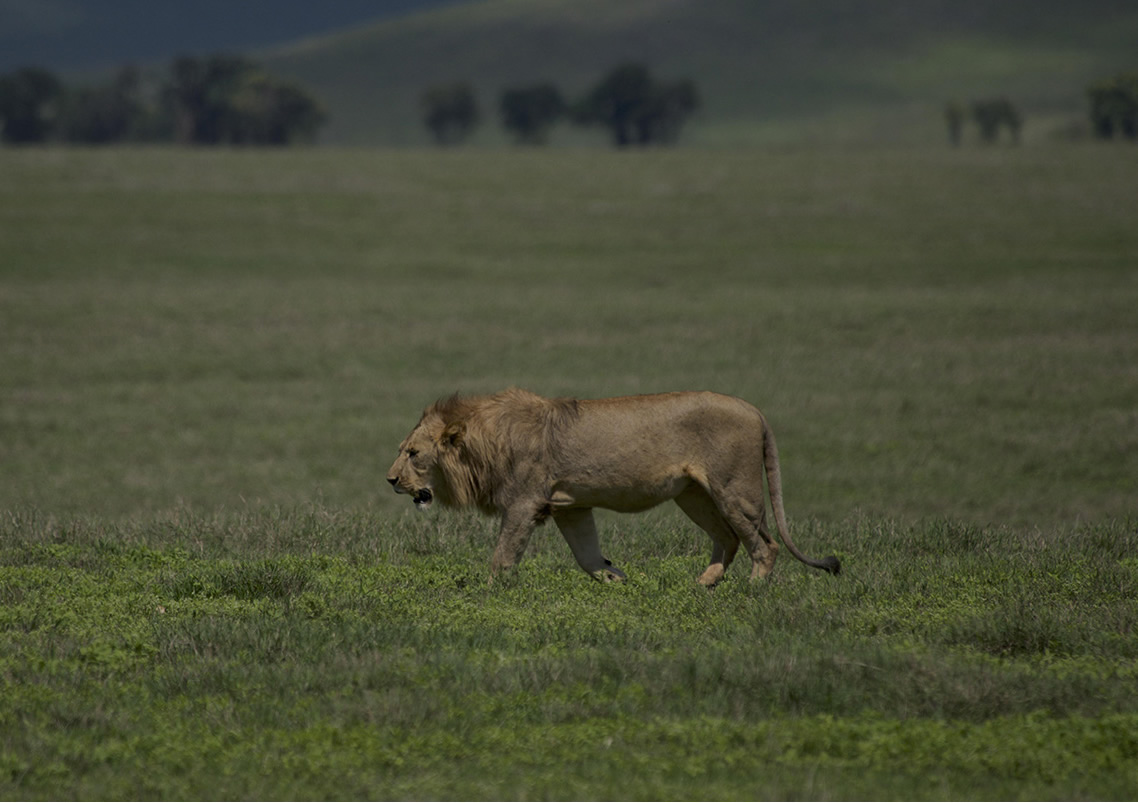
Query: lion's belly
{"x": 617, "y": 493}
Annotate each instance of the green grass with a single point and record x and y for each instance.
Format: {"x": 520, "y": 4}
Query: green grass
{"x": 208, "y": 358}
{"x": 193, "y": 656}
{"x": 931, "y": 333}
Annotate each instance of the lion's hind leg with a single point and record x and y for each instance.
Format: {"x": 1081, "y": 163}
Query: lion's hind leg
{"x": 763, "y": 548}
{"x": 580, "y": 532}
{"x": 749, "y": 521}
{"x": 701, "y": 508}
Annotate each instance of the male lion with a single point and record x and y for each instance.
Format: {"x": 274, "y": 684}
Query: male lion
{"x": 528, "y": 458}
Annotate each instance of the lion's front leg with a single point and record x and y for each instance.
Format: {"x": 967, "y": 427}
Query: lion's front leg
{"x": 517, "y": 527}
{"x": 580, "y": 531}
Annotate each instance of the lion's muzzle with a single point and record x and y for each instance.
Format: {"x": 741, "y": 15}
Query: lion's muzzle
{"x": 422, "y": 497}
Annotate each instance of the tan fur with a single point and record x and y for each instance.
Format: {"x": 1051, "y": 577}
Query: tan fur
{"x": 528, "y": 458}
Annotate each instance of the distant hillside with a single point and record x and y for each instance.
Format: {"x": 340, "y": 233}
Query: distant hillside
{"x": 81, "y": 35}
{"x": 769, "y": 70}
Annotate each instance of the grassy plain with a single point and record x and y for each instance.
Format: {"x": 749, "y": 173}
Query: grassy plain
{"x": 207, "y": 359}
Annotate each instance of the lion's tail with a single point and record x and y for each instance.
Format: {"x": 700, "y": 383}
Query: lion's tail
{"x": 774, "y": 484}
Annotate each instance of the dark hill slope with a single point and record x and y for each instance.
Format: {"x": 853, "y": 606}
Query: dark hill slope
{"x": 769, "y": 70}
{"x": 77, "y": 36}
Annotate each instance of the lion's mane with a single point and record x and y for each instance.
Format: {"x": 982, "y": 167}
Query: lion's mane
{"x": 496, "y": 444}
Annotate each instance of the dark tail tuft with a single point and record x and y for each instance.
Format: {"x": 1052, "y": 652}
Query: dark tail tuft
{"x": 831, "y": 565}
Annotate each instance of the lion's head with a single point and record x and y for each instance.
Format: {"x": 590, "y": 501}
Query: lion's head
{"x": 418, "y": 468}
{"x": 436, "y": 461}
{"x": 465, "y": 451}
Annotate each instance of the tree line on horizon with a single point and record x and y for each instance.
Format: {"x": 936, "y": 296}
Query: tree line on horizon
{"x": 1113, "y": 113}
{"x": 229, "y": 100}
{"x": 219, "y": 100}
{"x": 635, "y": 108}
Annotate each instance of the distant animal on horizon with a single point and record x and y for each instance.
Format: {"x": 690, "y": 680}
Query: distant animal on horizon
{"x": 527, "y": 458}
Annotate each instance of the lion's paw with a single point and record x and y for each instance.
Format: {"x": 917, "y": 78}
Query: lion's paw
{"x": 609, "y": 574}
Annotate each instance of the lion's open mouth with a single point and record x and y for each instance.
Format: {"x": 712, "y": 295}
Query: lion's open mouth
{"x": 422, "y": 498}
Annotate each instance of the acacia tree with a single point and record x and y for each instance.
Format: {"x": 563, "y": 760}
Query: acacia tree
{"x": 30, "y": 101}
{"x": 529, "y": 112}
{"x": 264, "y": 111}
{"x": 199, "y": 93}
{"x": 616, "y": 102}
{"x": 954, "y": 116}
{"x": 635, "y": 108}
{"x": 102, "y": 114}
{"x": 229, "y": 100}
{"x": 665, "y": 112}
{"x": 450, "y": 112}
{"x": 995, "y": 113}
{"x": 1114, "y": 107}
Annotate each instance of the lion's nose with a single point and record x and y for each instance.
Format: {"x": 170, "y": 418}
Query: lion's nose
{"x": 393, "y": 480}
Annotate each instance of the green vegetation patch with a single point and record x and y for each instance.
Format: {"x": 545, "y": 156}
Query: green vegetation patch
{"x": 135, "y": 667}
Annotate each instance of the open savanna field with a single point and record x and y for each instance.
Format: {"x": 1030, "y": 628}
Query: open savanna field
{"x": 208, "y": 358}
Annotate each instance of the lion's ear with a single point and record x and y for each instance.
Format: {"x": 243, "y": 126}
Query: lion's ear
{"x": 452, "y": 435}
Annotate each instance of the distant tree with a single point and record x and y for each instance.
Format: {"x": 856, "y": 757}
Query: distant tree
{"x": 297, "y": 115}
{"x": 1114, "y": 107}
{"x": 111, "y": 113}
{"x": 954, "y": 116}
{"x": 450, "y": 112}
{"x": 663, "y": 116}
{"x": 264, "y": 111}
{"x": 635, "y": 108}
{"x": 617, "y": 102}
{"x": 994, "y": 114}
{"x": 219, "y": 100}
{"x": 229, "y": 100}
{"x": 199, "y": 93}
{"x": 529, "y": 112}
{"x": 30, "y": 101}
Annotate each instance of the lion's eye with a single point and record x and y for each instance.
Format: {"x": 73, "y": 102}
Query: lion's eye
{"x": 412, "y": 452}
